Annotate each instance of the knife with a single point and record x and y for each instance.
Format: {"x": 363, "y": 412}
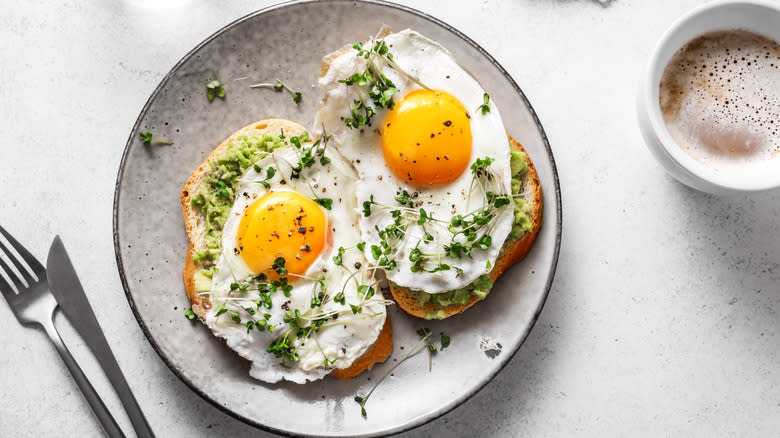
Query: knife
{"x": 70, "y": 296}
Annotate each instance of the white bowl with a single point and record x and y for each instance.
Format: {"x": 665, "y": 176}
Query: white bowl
{"x": 762, "y": 17}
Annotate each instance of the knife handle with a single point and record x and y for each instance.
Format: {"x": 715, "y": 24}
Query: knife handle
{"x": 100, "y": 409}
{"x": 105, "y": 357}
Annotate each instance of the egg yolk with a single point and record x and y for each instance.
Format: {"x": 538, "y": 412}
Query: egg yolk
{"x": 426, "y": 138}
{"x": 282, "y": 224}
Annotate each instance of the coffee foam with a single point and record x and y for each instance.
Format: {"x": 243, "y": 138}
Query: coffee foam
{"x": 720, "y": 99}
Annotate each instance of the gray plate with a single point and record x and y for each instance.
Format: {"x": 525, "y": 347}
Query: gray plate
{"x": 288, "y": 42}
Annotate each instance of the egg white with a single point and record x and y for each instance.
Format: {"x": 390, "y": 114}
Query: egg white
{"x": 435, "y": 67}
{"x": 345, "y": 341}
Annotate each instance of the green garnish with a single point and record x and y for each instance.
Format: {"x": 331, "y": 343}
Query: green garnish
{"x": 366, "y": 291}
{"x": 269, "y": 173}
{"x": 403, "y": 198}
{"x": 380, "y": 89}
{"x": 423, "y": 217}
{"x": 445, "y": 341}
{"x": 416, "y": 349}
{"x": 361, "y": 246}
{"x": 485, "y": 107}
{"x": 308, "y": 154}
{"x": 147, "y": 138}
{"x": 327, "y": 203}
{"x": 367, "y": 206}
{"x": 279, "y": 86}
{"x": 214, "y": 89}
{"x": 279, "y": 267}
{"x": 189, "y": 314}
{"x": 337, "y": 259}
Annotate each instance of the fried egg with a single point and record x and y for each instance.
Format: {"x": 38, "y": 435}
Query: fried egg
{"x": 414, "y": 162}
{"x": 292, "y": 293}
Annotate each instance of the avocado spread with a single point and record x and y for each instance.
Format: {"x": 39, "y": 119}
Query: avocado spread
{"x": 482, "y": 285}
{"x": 216, "y": 195}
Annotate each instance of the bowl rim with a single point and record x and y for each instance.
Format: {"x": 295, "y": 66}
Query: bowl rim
{"x": 651, "y": 116}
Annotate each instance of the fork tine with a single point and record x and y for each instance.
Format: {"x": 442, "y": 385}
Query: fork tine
{"x": 6, "y": 288}
{"x": 29, "y": 258}
{"x": 25, "y": 274}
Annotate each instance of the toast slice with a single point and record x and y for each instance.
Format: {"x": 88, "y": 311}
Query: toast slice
{"x": 193, "y": 219}
{"x": 196, "y": 231}
{"x": 513, "y": 251}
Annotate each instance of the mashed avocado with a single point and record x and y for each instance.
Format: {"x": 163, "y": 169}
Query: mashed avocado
{"x": 522, "y": 223}
{"x": 482, "y": 285}
{"x": 216, "y": 194}
{"x": 479, "y": 288}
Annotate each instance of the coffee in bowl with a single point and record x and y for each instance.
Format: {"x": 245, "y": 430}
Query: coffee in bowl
{"x": 720, "y": 98}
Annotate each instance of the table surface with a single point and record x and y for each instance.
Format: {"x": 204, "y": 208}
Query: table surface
{"x": 663, "y": 316}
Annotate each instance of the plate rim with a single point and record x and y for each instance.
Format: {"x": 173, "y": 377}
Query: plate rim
{"x": 416, "y": 422}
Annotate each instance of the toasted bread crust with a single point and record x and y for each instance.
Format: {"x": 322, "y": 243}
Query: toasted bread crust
{"x": 513, "y": 252}
{"x": 377, "y": 352}
{"x": 200, "y": 303}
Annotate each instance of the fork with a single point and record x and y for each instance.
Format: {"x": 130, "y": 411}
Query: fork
{"x": 34, "y": 305}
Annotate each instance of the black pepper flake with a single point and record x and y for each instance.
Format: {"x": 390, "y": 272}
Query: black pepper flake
{"x": 446, "y": 157}
{"x": 433, "y": 135}
{"x": 357, "y": 265}
{"x": 448, "y": 123}
{"x": 282, "y": 182}
{"x": 468, "y": 116}
{"x": 235, "y": 251}
{"x": 275, "y": 234}
{"x": 286, "y": 305}
{"x": 311, "y": 229}
{"x": 306, "y": 248}
{"x": 409, "y": 174}
{"x": 302, "y": 230}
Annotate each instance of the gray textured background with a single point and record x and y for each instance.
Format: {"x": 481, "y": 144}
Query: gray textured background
{"x": 663, "y": 318}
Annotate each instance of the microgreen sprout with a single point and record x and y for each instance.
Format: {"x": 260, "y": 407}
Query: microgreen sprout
{"x": 269, "y": 173}
{"x": 367, "y": 206}
{"x": 338, "y": 258}
{"x": 326, "y": 203}
{"x": 485, "y": 107}
{"x": 189, "y": 314}
{"x": 214, "y": 89}
{"x": 360, "y": 400}
{"x": 148, "y": 138}
{"x": 379, "y": 87}
{"x": 280, "y": 86}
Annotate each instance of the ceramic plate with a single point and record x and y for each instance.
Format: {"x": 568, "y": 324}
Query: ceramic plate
{"x": 287, "y": 42}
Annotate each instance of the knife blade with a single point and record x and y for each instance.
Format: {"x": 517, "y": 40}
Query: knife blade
{"x": 67, "y": 290}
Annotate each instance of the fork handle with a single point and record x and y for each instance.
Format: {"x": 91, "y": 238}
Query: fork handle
{"x": 100, "y": 409}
